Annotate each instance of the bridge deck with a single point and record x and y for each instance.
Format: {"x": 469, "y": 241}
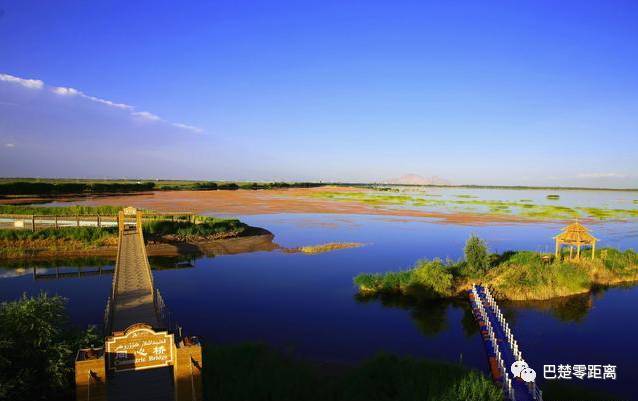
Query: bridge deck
{"x": 133, "y": 302}
{"x": 521, "y": 390}
{"x": 133, "y": 292}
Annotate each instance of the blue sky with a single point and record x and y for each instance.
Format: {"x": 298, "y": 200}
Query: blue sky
{"x": 526, "y": 92}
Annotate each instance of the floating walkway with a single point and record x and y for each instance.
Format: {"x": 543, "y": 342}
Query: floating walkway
{"x": 501, "y": 347}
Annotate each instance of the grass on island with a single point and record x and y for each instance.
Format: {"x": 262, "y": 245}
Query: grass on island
{"x": 331, "y": 246}
{"x": 259, "y": 373}
{"x": 553, "y": 197}
{"x": 204, "y": 228}
{"x": 19, "y": 243}
{"x": 519, "y": 275}
{"x": 466, "y": 204}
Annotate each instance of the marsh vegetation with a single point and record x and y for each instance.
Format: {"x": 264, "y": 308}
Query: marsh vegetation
{"x": 514, "y": 275}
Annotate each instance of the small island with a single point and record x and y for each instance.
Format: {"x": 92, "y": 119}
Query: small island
{"x": 512, "y": 275}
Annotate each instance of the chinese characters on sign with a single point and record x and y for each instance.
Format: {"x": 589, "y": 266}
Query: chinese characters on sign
{"x": 581, "y": 372}
{"x": 140, "y": 347}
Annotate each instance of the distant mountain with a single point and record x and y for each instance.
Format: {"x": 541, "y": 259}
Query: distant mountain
{"x": 414, "y": 179}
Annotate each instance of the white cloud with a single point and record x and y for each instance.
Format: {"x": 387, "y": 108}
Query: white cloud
{"x": 192, "y": 128}
{"x": 59, "y": 90}
{"x": 109, "y": 103}
{"x": 146, "y": 115}
{"x": 9, "y": 145}
{"x": 27, "y": 83}
{"x": 66, "y": 91}
{"x": 601, "y": 175}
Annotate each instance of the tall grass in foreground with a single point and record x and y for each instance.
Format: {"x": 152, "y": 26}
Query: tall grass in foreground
{"x": 256, "y": 372}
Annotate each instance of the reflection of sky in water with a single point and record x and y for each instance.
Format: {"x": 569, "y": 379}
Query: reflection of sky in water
{"x": 307, "y": 301}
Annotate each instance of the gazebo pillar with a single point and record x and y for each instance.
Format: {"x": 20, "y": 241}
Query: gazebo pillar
{"x": 578, "y": 250}
{"x": 557, "y": 248}
{"x": 593, "y": 250}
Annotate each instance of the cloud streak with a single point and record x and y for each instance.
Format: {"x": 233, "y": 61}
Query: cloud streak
{"x": 27, "y": 83}
{"x": 602, "y": 175}
{"x": 67, "y": 91}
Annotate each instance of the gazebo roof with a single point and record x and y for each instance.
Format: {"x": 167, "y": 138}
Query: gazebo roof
{"x": 576, "y": 233}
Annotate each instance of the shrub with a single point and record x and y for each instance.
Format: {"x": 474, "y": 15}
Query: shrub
{"x": 37, "y": 348}
{"x": 432, "y": 278}
{"x": 209, "y": 227}
{"x": 476, "y": 255}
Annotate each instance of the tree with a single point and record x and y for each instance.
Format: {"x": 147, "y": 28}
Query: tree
{"x": 37, "y": 348}
{"x": 476, "y": 255}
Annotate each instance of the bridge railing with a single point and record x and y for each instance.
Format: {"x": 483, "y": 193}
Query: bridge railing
{"x": 511, "y": 342}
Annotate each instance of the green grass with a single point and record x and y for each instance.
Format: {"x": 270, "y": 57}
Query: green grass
{"x": 466, "y": 204}
{"x": 425, "y": 280}
{"x": 205, "y": 228}
{"x": 60, "y": 210}
{"x": 86, "y": 235}
{"x": 258, "y": 373}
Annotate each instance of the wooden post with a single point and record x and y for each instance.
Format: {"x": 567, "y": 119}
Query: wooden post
{"x": 571, "y": 251}
{"x": 99, "y": 222}
{"x": 120, "y": 220}
{"x": 32, "y": 222}
{"x": 578, "y": 251}
{"x": 593, "y": 250}
{"x": 56, "y": 222}
{"x": 77, "y": 218}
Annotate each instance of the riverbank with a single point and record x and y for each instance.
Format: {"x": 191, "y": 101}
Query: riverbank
{"x": 517, "y": 276}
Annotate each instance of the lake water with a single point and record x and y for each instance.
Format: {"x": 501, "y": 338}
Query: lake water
{"x": 307, "y": 302}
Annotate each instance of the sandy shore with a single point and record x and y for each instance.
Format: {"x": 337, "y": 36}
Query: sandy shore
{"x": 293, "y": 200}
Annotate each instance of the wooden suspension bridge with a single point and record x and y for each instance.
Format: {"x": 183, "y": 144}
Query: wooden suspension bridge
{"x": 144, "y": 357}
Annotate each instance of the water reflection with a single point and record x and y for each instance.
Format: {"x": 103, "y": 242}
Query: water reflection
{"x": 431, "y": 317}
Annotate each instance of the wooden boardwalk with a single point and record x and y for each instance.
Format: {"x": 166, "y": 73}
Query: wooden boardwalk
{"x": 133, "y": 292}
{"x": 133, "y": 300}
{"x": 144, "y": 358}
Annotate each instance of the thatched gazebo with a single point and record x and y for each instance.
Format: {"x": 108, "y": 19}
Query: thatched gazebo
{"x": 577, "y": 235}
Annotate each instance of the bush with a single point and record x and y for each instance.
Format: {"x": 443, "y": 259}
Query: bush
{"x": 432, "y": 278}
{"x": 476, "y": 255}
{"x": 37, "y": 349}
{"x": 209, "y": 227}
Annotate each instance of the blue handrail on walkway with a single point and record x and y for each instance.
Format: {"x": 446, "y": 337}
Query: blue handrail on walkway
{"x": 501, "y": 347}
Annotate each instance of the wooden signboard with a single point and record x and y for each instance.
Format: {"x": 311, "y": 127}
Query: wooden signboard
{"x": 139, "y": 347}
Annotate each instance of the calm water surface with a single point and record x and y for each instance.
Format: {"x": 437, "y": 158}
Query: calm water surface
{"x": 307, "y": 302}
